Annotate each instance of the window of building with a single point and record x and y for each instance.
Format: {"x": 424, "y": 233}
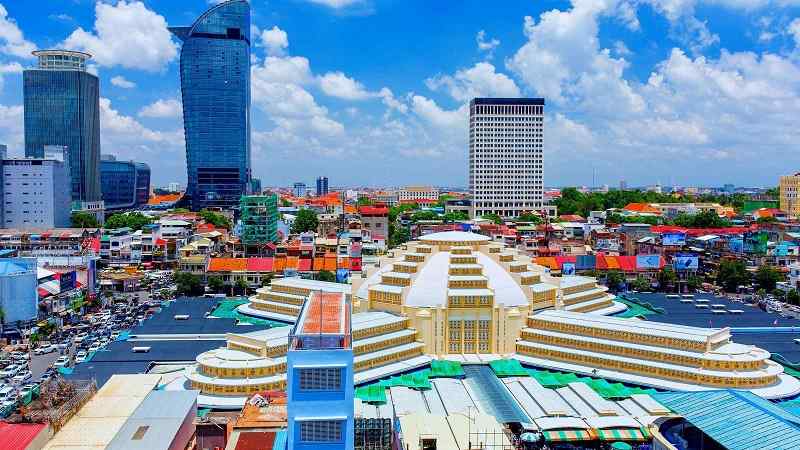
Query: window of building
{"x": 321, "y": 431}
{"x": 320, "y": 379}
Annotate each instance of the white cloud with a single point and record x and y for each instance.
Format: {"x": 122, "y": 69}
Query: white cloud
{"x": 9, "y": 67}
{"x": 336, "y": 4}
{"x": 169, "y": 108}
{"x": 794, "y": 30}
{"x": 480, "y": 80}
{"x": 121, "y": 82}
{"x": 434, "y": 114}
{"x": 486, "y": 46}
{"x": 11, "y": 128}
{"x": 289, "y": 69}
{"x": 12, "y": 42}
{"x": 337, "y": 84}
{"x": 128, "y": 35}
{"x": 276, "y": 41}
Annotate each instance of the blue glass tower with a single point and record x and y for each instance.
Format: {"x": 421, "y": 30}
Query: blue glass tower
{"x": 126, "y": 184}
{"x": 62, "y": 108}
{"x": 215, "y": 86}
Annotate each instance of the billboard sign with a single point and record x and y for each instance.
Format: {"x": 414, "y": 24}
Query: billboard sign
{"x": 342, "y": 275}
{"x": 568, "y": 268}
{"x": 644, "y": 262}
{"x": 67, "y": 281}
{"x": 756, "y": 242}
{"x": 673, "y": 239}
{"x": 686, "y": 262}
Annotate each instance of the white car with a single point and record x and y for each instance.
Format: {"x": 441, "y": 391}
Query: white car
{"x": 62, "y": 361}
{"x": 9, "y": 371}
{"x": 95, "y": 347}
{"x": 22, "y": 377}
{"x": 80, "y": 357}
{"x": 45, "y": 349}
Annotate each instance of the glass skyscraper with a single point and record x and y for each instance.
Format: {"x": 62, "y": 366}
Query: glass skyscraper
{"x": 126, "y": 184}
{"x": 62, "y": 108}
{"x": 215, "y": 86}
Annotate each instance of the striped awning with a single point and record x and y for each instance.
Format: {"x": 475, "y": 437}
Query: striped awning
{"x": 567, "y": 435}
{"x": 623, "y": 434}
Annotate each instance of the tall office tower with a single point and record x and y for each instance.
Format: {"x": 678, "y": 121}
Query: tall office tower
{"x": 126, "y": 184}
{"x": 319, "y": 374}
{"x": 322, "y": 186}
{"x": 299, "y": 189}
{"x": 62, "y": 108}
{"x": 215, "y": 87}
{"x": 505, "y": 155}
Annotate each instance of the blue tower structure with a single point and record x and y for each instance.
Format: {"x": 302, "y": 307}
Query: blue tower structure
{"x": 215, "y": 88}
{"x": 319, "y": 372}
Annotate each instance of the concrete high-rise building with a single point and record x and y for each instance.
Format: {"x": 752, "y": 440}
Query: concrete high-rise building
{"x": 789, "y": 191}
{"x": 19, "y": 297}
{"x": 126, "y": 184}
{"x": 299, "y": 189}
{"x": 319, "y": 374}
{"x": 506, "y": 171}
{"x": 174, "y": 187}
{"x": 62, "y": 108}
{"x": 322, "y": 186}
{"x": 215, "y": 87}
{"x": 35, "y": 192}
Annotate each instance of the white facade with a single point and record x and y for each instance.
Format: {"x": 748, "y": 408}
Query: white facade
{"x": 36, "y": 194}
{"x": 410, "y": 193}
{"x": 506, "y": 172}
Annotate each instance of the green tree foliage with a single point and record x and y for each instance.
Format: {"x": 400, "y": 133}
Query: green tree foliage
{"x": 325, "y": 275}
{"x": 84, "y": 220}
{"x": 306, "y": 220}
{"x": 706, "y": 219}
{"x": 773, "y": 193}
{"x": 398, "y": 235}
{"x": 285, "y": 203}
{"x": 188, "y": 284}
{"x": 793, "y": 297}
{"x": 364, "y": 201}
{"x": 133, "y": 220}
{"x": 693, "y": 282}
{"x": 614, "y": 280}
{"x": 443, "y": 200}
{"x": 667, "y": 277}
{"x": 767, "y": 277}
{"x": 396, "y": 211}
{"x": 530, "y": 217}
{"x": 732, "y": 274}
{"x": 216, "y": 219}
{"x": 455, "y": 216}
{"x": 496, "y": 219}
{"x": 769, "y": 219}
{"x": 641, "y": 284}
{"x": 215, "y": 283}
{"x": 241, "y": 286}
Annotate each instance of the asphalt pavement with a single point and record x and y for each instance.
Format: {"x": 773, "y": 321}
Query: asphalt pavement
{"x": 40, "y": 363}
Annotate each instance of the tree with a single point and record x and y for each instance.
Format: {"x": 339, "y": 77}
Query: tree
{"x": 693, "y": 282}
{"x": 398, "y": 235}
{"x": 614, "y": 280}
{"x": 215, "y": 283}
{"x": 241, "y": 286}
{"x": 641, "y": 284}
{"x": 496, "y": 219}
{"x": 285, "y": 203}
{"x": 767, "y": 277}
{"x": 732, "y": 274}
{"x": 667, "y": 277}
{"x": 134, "y": 221}
{"x": 216, "y": 219}
{"x": 364, "y": 201}
{"x": 396, "y": 211}
{"x": 306, "y": 220}
{"x": 325, "y": 275}
{"x": 424, "y": 215}
{"x": 188, "y": 284}
{"x": 443, "y": 200}
{"x": 793, "y": 297}
{"x": 84, "y": 220}
{"x": 266, "y": 279}
{"x": 530, "y": 217}
{"x": 455, "y": 216}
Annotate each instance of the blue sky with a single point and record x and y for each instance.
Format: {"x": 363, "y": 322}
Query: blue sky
{"x": 373, "y": 92}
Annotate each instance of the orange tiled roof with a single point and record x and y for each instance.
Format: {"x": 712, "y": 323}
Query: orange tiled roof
{"x": 166, "y": 198}
{"x": 641, "y": 208}
{"x": 326, "y": 311}
{"x": 227, "y": 265}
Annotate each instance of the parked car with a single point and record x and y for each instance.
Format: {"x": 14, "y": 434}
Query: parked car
{"x": 8, "y": 396}
{"x": 22, "y": 377}
{"x": 45, "y": 349}
{"x": 81, "y": 356}
{"x": 62, "y": 361}
{"x": 9, "y": 371}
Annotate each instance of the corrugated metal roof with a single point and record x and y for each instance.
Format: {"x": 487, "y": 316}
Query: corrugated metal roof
{"x": 157, "y": 420}
{"x": 18, "y": 436}
{"x": 738, "y": 420}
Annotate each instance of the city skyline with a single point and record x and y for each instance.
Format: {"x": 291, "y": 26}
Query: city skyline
{"x": 641, "y": 91}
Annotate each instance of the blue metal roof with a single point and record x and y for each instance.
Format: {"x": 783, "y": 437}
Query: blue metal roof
{"x": 737, "y": 420}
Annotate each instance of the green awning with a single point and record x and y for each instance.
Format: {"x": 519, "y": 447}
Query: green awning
{"x": 621, "y": 446}
{"x": 567, "y": 436}
{"x": 623, "y": 434}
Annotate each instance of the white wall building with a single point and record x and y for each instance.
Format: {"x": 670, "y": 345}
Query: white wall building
{"x": 410, "y": 193}
{"x": 36, "y": 193}
{"x": 506, "y": 172}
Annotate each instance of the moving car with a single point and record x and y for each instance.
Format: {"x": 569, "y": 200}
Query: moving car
{"x": 62, "y": 361}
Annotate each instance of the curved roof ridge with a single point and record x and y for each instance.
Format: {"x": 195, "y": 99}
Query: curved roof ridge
{"x": 213, "y": 9}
